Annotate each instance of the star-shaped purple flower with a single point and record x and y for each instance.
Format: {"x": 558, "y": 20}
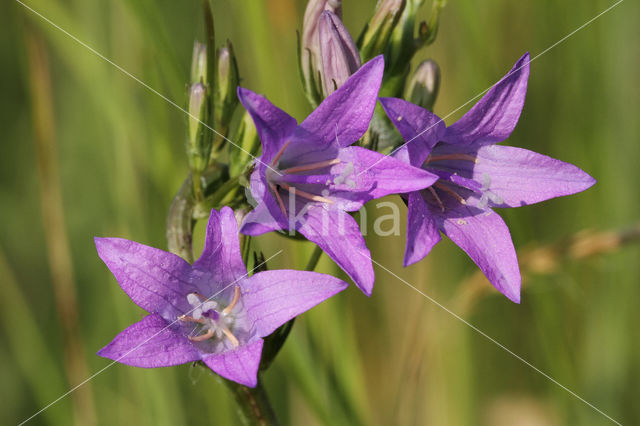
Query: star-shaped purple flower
{"x": 475, "y": 175}
{"x": 211, "y": 311}
{"x": 308, "y": 176}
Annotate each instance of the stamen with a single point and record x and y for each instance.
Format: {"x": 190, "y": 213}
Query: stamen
{"x": 191, "y": 319}
{"x": 204, "y": 299}
{"x": 231, "y": 337}
{"x": 278, "y": 198}
{"x": 435, "y": 195}
{"x": 208, "y": 335}
{"x": 444, "y": 157}
{"x": 450, "y": 191}
{"x": 303, "y": 194}
{"x": 312, "y": 166}
{"x": 279, "y": 154}
{"x": 236, "y": 297}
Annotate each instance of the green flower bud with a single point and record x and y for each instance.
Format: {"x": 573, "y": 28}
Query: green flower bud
{"x": 375, "y": 38}
{"x": 199, "y": 63}
{"x": 199, "y": 137}
{"x": 248, "y": 142}
{"x": 424, "y": 85}
{"x": 225, "y": 99}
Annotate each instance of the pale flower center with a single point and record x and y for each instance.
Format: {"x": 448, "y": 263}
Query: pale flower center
{"x": 214, "y": 323}
{"x": 450, "y": 188}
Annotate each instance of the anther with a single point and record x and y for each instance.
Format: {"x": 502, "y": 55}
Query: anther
{"x": 208, "y": 335}
{"x": 279, "y": 154}
{"x": 303, "y": 194}
{"x": 191, "y": 319}
{"x": 312, "y": 166}
{"x": 445, "y": 157}
{"x": 231, "y": 337}
{"x": 274, "y": 188}
{"x": 435, "y": 195}
{"x": 236, "y": 297}
{"x": 450, "y": 191}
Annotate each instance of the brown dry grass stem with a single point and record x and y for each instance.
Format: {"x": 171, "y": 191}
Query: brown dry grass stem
{"x": 57, "y": 243}
{"x": 548, "y": 259}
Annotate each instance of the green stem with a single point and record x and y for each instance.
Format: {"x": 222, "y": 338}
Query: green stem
{"x": 253, "y": 403}
{"x": 314, "y": 259}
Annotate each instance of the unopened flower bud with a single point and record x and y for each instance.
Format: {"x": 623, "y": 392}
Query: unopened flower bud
{"x": 225, "y": 99}
{"x": 247, "y": 146}
{"x": 375, "y": 38}
{"x": 199, "y": 137}
{"x": 340, "y": 57}
{"x": 199, "y": 63}
{"x": 424, "y": 85}
{"x": 310, "y": 61}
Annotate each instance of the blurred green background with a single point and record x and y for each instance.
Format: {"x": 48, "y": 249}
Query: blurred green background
{"x": 95, "y": 153}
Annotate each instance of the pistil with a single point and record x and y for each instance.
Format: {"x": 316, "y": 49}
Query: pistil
{"x": 234, "y": 301}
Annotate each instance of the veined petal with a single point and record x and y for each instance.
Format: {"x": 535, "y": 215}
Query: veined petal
{"x": 345, "y": 115}
{"x": 150, "y": 343}
{"x": 262, "y": 219}
{"x": 484, "y": 236}
{"x": 520, "y": 177}
{"x": 274, "y": 126}
{"x": 338, "y": 234}
{"x": 506, "y": 176}
{"x": 422, "y": 231}
{"x": 221, "y": 255}
{"x": 154, "y": 279}
{"x": 419, "y": 128}
{"x": 495, "y": 116}
{"x": 377, "y": 175}
{"x": 274, "y": 297}
{"x": 240, "y": 364}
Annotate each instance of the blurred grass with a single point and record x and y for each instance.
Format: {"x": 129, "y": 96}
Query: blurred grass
{"x": 391, "y": 359}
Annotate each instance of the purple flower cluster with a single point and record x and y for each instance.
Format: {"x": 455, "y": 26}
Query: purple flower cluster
{"x": 308, "y": 179}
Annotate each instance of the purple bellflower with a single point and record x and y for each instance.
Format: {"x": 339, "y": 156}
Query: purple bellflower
{"x": 476, "y": 175}
{"x": 211, "y": 311}
{"x": 308, "y": 176}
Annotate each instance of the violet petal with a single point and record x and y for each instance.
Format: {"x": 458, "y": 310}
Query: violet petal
{"x": 494, "y": 117}
{"x": 419, "y": 128}
{"x": 345, "y": 115}
{"x": 150, "y": 343}
{"x": 274, "y": 297}
{"x": 154, "y": 279}
{"x": 274, "y": 126}
{"x": 484, "y": 236}
{"x": 221, "y": 255}
{"x": 338, "y": 235}
{"x": 240, "y": 364}
{"x": 422, "y": 230}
